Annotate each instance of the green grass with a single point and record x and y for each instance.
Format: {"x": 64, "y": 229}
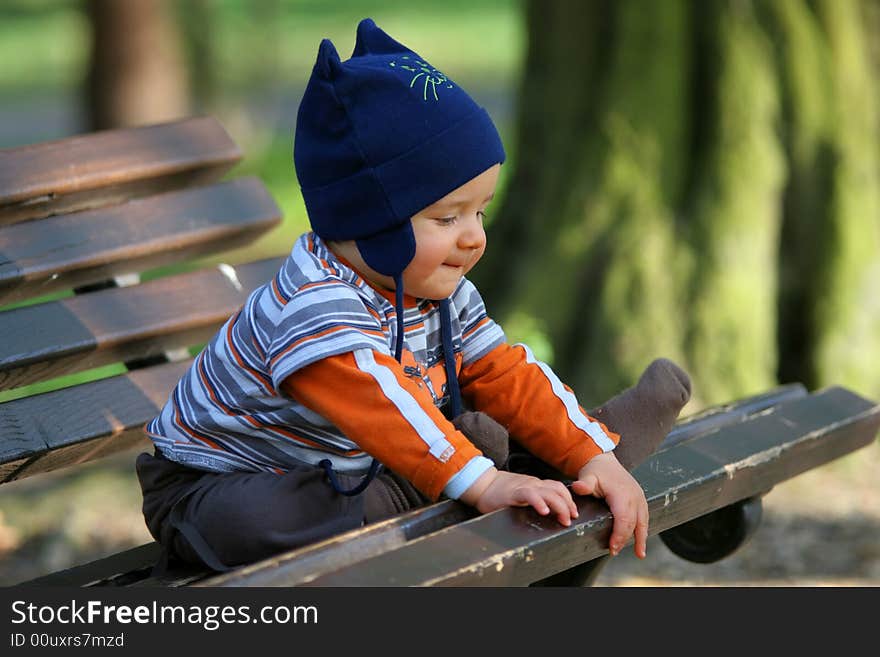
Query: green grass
{"x": 66, "y": 381}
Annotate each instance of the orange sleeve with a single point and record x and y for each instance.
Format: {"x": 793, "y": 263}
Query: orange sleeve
{"x": 524, "y": 395}
{"x": 369, "y": 398}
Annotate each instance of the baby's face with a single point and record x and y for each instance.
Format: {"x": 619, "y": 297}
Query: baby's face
{"x": 449, "y": 238}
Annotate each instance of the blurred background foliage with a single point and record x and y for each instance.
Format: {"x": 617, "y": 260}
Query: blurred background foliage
{"x": 691, "y": 179}
{"x": 698, "y": 180}
{"x": 75, "y": 65}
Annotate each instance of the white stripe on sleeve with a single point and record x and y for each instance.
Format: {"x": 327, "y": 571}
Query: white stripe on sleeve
{"x": 581, "y": 421}
{"x": 430, "y": 433}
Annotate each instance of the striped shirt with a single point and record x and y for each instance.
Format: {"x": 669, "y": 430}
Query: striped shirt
{"x": 304, "y": 371}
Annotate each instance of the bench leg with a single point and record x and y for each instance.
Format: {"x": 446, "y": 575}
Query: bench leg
{"x": 716, "y": 535}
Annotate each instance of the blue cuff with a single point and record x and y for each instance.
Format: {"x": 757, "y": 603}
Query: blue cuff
{"x": 465, "y": 477}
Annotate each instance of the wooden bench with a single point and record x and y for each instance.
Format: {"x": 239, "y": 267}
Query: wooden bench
{"x": 83, "y": 218}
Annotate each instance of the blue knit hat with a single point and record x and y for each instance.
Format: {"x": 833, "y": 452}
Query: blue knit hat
{"x": 380, "y": 137}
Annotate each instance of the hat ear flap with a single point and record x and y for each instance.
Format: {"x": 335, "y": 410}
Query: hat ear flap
{"x": 328, "y": 63}
{"x": 372, "y": 40}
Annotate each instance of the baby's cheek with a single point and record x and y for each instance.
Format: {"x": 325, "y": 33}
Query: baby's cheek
{"x": 477, "y": 256}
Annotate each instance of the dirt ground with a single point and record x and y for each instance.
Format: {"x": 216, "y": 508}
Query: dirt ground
{"x": 821, "y": 528}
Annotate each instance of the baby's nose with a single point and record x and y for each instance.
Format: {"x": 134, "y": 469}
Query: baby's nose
{"x": 473, "y": 236}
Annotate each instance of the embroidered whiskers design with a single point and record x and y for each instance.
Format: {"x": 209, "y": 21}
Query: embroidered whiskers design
{"x": 431, "y": 77}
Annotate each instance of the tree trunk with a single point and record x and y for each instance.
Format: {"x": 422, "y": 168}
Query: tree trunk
{"x": 587, "y": 222}
{"x": 696, "y": 180}
{"x": 734, "y": 217}
{"x": 136, "y": 74}
{"x": 846, "y": 308}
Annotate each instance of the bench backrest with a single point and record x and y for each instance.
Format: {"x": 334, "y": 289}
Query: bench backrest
{"x": 81, "y": 219}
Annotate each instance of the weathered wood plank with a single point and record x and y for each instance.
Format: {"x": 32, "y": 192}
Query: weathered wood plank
{"x": 116, "y": 570}
{"x": 104, "y": 168}
{"x": 516, "y": 546}
{"x": 70, "y": 250}
{"x": 121, "y": 324}
{"x": 723, "y": 415}
{"x": 82, "y": 423}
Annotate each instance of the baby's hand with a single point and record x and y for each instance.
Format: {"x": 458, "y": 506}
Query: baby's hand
{"x": 604, "y": 476}
{"x": 497, "y": 489}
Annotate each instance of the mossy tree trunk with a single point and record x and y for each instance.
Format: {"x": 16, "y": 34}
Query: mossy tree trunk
{"x": 697, "y": 180}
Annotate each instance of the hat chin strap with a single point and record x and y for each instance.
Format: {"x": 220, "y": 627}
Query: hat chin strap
{"x": 398, "y": 308}
{"x": 445, "y": 336}
{"x": 449, "y": 357}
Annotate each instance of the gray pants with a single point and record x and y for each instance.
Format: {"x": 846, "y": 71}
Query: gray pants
{"x": 223, "y": 520}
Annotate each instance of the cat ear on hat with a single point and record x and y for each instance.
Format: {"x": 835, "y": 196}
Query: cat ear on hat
{"x": 371, "y": 40}
{"x": 328, "y": 62}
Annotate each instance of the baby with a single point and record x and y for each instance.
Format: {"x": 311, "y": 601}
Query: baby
{"x": 366, "y": 378}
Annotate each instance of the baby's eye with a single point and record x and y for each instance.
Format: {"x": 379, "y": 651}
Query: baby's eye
{"x": 445, "y": 221}
{"x": 482, "y": 214}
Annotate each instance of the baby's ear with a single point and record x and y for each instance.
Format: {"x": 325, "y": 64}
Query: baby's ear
{"x": 328, "y": 63}
{"x": 372, "y": 40}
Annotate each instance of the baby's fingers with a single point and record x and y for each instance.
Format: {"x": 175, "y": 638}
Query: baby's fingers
{"x": 625, "y": 519}
{"x": 545, "y": 500}
{"x": 533, "y": 498}
{"x": 570, "y": 507}
{"x": 563, "y": 505}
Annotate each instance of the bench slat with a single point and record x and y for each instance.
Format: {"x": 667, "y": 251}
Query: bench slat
{"x": 723, "y": 415}
{"x": 66, "y": 251}
{"x": 115, "y": 570}
{"x": 517, "y": 546}
{"x": 109, "y": 167}
{"x": 56, "y": 429}
{"x": 122, "y": 324}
